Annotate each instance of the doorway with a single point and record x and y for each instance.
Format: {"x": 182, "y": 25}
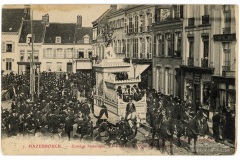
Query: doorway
{"x": 69, "y": 67}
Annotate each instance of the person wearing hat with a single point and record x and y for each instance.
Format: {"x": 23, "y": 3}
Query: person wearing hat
{"x": 192, "y": 130}
{"x": 103, "y": 115}
{"x": 130, "y": 108}
{"x": 216, "y": 124}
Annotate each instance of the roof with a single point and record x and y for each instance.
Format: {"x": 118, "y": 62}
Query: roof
{"x": 63, "y": 30}
{"x": 12, "y": 19}
{"x": 81, "y": 32}
{"x": 38, "y": 31}
{"x": 102, "y": 16}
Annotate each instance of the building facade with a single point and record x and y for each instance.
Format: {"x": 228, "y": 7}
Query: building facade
{"x": 12, "y": 20}
{"x": 167, "y": 49}
{"x": 208, "y": 69}
{"x": 66, "y": 47}
{"x": 99, "y": 45}
{"x": 224, "y": 59}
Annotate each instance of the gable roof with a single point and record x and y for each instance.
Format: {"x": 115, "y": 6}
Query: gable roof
{"x": 38, "y": 31}
{"x": 12, "y": 19}
{"x": 81, "y": 32}
{"x": 63, "y": 30}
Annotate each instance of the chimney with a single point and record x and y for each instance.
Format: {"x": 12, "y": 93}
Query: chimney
{"x": 113, "y": 7}
{"x": 27, "y": 12}
{"x": 79, "y": 21}
{"x": 45, "y": 19}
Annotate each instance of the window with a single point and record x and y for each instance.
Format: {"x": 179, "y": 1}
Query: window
{"x": 177, "y": 53}
{"x": 135, "y": 47}
{"x": 227, "y": 56}
{"x": 115, "y": 46}
{"x": 191, "y": 46}
{"x": 154, "y": 45}
{"x": 59, "y": 66}
{"x": 69, "y": 53}
{"x": 128, "y": 48}
{"x": 161, "y": 45}
{"x": 49, "y": 66}
{"x": 136, "y": 24}
{"x": 191, "y": 51}
{"x": 119, "y": 46}
{"x": 58, "y": 40}
{"x": 59, "y": 53}
{"x": 49, "y": 53}
{"x": 81, "y": 54}
{"x": 125, "y": 25}
{"x": 205, "y": 46}
{"x": 124, "y": 46}
{"x": 86, "y": 39}
{"x": 149, "y": 17}
{"x": 8, "y": 64}
{"x": 142, "y": 23}
{"x": 90, "y": 54}
{"x": 149, "y": 47}
{"x": 9, "y": 47}
{"x": 142, "y": 53}
{"x": 130, "y": 25}
{"x": 170, "y": 44}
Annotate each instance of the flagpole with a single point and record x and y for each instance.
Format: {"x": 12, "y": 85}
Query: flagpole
{"x": 32, "y": 73}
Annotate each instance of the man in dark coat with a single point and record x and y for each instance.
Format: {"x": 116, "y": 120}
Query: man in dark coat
{"x": 192, "y": 130}
{"x": 216, "y": 125}
{"x": 103, "y": 115}
{"x": 130, "y": 108}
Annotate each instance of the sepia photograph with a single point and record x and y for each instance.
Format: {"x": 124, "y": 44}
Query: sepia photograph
{"x": 119, "y": 79}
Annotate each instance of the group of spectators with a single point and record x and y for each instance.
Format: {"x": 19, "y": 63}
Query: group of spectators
{"x": 55, "y": 110}
{"x": 223, "y": 122}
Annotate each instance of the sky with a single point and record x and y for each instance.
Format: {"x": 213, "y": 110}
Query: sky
{"x": 68, "y": 13}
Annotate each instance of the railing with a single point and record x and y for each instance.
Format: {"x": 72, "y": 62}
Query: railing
{"x": 113, "y": 79}
{"x": 190, "y": 61}
{"x": 149, "y": 28}
{"x": 204, "y": 62}
{"x": 205, "y": 19}
{"x": 227, "y": 30}
{"x": 191, "y": 21}
{"x": 177, "y": 54}
{"x": 226, "y": 68}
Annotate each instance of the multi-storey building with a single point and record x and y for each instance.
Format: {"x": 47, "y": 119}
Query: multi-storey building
{"x": 116, "y": 22}
{"x": 133, "y": 27}
{"x": 66, "y": 47}
{"x": 209, "y": 41}
{"x": 167, "y": 49}
{"x": 25, "y": 45}
{"x": 11, "y": 27}
{"x": 224, "y": 57}
{"x": 99, "y": 46}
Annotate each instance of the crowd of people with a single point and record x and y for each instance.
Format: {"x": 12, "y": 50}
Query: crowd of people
{"x": 57, "y": 109}
{"x": 168, "y": 115}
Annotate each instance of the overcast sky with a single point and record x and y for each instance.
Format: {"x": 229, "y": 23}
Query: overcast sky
{"x": 69, "y": 13}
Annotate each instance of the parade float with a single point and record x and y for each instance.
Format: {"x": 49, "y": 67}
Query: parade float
{"x": 112, "y": 75}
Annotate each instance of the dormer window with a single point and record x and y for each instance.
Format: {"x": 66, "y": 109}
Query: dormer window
{"x": 86, "y": 39}
{"x": 58, "y": 40}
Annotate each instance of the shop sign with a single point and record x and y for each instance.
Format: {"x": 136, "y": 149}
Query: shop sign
{"x": 224, "y": 37}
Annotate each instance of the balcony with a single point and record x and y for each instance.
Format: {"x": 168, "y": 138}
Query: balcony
{"x": 226, "y": 68}
{"x": 227, "y": 30}
{"x": 204, "y": 63}
{"x": 191, "y": 22}
{"x": 177, "y": 54}
{"x": 190, "y": 61}
{"x": 227, "y": 73}
{"x": 149, "y": 28}
{"x": 205, "y": 19}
